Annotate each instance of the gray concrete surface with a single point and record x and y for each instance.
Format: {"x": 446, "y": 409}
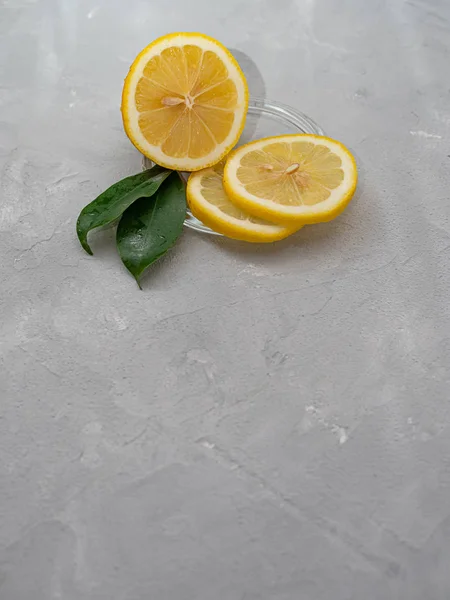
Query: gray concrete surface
{"x": 260, "y": 422}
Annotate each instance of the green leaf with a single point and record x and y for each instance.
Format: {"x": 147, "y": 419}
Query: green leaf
{"x": 110, "y": 205}
{"x": 149, "y": 228}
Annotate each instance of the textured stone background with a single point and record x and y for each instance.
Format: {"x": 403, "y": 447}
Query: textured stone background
{"x": 260, "y": 422}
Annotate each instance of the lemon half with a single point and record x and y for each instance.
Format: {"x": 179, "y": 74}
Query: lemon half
{"x": 185, "y": 101}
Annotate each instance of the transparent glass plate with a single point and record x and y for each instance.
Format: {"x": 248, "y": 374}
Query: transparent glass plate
{"x": 264, "y": 119}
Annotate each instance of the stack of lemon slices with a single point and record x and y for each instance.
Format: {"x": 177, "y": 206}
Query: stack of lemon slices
{"x": 184, "y": 106}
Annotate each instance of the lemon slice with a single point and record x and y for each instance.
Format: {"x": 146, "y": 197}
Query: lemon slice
{"x": 209, "y": 203}
{"x": 184, "y": 101}
{"x": 291, "y": 178}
